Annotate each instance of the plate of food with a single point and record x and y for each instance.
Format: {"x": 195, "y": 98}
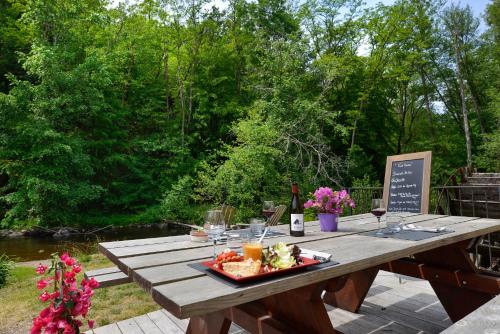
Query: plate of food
{"x": 276, "y": 260}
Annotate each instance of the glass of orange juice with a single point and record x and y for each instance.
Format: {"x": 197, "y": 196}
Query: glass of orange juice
{"x": 252, "y": 250}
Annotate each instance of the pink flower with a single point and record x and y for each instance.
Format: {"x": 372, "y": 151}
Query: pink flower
{"x": 77, "y": 268}
{"x": 325, "y": 200}
{"x": 93, "y": 283}
{"x": 91, "y": 324}
{"x": 41, "y": 269}
{"x": 42, "y": 284}
{"x": 69, "y": 277}
{"x": 66, "y": 304}
{"x": 68, "y": 260}
{"x": 44, "y": 296}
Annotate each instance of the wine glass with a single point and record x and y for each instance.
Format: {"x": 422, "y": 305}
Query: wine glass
{"x": 378, "y": 210}
{"x": 214, "y": 226}
{"x": 268, "y": 209}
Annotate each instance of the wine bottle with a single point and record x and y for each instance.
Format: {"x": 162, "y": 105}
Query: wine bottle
{"x": 296, "y": 213}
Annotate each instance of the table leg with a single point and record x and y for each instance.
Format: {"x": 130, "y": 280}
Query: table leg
{"x": 301, "y": 309}
{"x": 443, "y": 268}
{"x": 459, "y": 302}
{"x": 212, "y": 323}
{"x": 349, "y": 292}
{"x": 293, "y": 312}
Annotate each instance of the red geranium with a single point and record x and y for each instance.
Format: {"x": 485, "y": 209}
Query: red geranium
{"x": 67, "y": 302}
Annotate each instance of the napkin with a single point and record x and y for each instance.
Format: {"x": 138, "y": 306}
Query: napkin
{"x": 315, "y": 255}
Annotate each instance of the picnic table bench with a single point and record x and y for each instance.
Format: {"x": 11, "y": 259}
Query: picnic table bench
{"x": 294, "y": 303}
{"x": 108, "y": 276}
{"x": 485, "y": 319}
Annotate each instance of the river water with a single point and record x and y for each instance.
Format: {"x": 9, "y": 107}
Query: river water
{"x": 39, "y": 248}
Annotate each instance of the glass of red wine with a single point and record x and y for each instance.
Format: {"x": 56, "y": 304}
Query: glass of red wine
{"x": 268, "y": 209}
{"x": 378, "y": 210}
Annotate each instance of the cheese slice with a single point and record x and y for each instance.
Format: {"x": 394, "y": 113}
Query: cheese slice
{"x": 242, "y": 269}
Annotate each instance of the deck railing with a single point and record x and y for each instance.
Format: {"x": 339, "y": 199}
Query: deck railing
{"x": 474, "y": 201}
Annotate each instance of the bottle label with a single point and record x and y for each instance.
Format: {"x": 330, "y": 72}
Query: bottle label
{"x": 297, "y": 222}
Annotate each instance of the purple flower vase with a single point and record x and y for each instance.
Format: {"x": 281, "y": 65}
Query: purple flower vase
{"x": 328, "y": 222}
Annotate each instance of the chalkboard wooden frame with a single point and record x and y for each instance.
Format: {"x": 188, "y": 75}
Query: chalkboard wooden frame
{"x": 426, "y": 176}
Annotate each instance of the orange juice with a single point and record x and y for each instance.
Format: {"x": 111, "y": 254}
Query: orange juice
{"x": 252, "y": 251}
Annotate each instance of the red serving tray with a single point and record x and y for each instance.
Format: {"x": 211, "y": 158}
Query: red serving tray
{"x": 306, "y": 263}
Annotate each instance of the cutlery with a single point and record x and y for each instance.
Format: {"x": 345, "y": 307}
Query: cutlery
{"x": 411, "y": 227}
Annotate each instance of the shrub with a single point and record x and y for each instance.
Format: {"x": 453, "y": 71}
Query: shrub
{"x": 177, "y": 202}
{"x": 5, "y": 267}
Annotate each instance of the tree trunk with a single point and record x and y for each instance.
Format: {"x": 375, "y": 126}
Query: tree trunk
{"x": 468, "y": 142}
{"x": 477, "y": 109}
{"x": 402, "y": 111}
{"x": 353, "y": 136}
{"x": 190, "y": 102}
{"x": 167, "y": 82}
{"x": 129, "y": 79}
{"x": 428, "y": 106}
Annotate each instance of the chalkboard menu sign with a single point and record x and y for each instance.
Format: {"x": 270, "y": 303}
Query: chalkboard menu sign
{"x": 407, "y": 180}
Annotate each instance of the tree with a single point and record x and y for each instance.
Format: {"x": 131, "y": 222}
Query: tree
{"x": 460, "y": 27}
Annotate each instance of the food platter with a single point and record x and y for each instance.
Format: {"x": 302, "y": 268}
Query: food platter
{"x": 305, "y": 262}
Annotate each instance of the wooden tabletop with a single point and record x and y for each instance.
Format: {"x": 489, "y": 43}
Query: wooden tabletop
{"x": 160, "y": 265}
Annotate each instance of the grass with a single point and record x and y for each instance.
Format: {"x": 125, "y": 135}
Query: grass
{"x": 20, "y": 304}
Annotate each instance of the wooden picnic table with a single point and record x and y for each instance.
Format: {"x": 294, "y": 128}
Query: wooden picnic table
{"x": 295, "y": 303}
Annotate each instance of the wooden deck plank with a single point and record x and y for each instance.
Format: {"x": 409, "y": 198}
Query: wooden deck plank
{"x": 129, "y": 326}
{"x": 181, "y": 323}
{"x": 108, "y": 329}
{"x": 147, "y": 325}
{"x": 412, "y": 306}
{"x": 211, "y": 295}
{"x": 162, "y": 321}
{"x": 352, "y": 323}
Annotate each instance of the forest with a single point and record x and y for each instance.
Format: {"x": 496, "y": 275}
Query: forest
{"x": 155, "y": 109}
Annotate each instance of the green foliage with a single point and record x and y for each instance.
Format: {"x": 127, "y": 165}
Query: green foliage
{"x": 14, "y": 39}
{"x": 6, "y": 266}
{"x": 177, "y": 203}
{"x": 251, "y": 171}
{"x": 160, "y": 109}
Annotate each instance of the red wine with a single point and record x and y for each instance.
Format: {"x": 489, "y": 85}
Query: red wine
{"x": 268, "y": 213}
{"x": 378, "y": 212}
{"x": 296, "y": 213}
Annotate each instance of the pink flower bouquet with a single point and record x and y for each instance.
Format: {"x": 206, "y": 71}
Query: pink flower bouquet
{"x": 325, "y": 200}
{"x": 67, "y": 301}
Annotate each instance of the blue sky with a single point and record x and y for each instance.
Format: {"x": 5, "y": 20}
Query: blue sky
{"x": 478, "y": 7}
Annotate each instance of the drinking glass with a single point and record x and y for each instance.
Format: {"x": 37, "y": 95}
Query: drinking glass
{"x": 252, "y": 250}
{"x": 214, "y": 226}
{"x": 378, "y": 210}
{"x": 257, "y": 226}
{"x": 394, "y": 222}
{"x": 268, "y": 209}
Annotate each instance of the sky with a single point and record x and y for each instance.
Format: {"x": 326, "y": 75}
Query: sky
{"x": 478, "y": 7}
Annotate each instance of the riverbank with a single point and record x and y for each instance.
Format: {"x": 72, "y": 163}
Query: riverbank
{"x": 109, "y": 305}
{"x": 39, "y": 245}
